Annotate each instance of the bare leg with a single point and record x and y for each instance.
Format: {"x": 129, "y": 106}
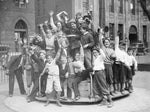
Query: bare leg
{"x": 58, "y": 99}
{"x": 48, "y": 100}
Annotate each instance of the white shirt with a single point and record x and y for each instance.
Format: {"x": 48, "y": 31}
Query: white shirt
{"x": 126, "y": 58}
{"x": 99, "y": 61}
{"x": 81, "y": 64}
{"x": 132, "y": 61}
{"x": 120, "y": 55}
{"x": 52, "y": 68}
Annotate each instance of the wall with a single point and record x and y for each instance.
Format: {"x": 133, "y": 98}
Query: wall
{"x": 9, "y": 15}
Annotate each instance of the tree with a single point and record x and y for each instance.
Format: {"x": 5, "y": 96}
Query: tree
{"x": 145, "y": 4}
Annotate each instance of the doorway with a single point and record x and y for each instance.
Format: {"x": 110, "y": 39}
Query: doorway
{"x": 20, "y": 34}
{"x": 133, "y": 37}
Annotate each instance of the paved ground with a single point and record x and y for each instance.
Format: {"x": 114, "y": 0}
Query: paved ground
{"x": 137, "y": 102}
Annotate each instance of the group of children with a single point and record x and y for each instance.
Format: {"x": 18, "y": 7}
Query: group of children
{"x": 112, "y": 68}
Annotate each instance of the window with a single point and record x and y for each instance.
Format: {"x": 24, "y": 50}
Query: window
{"x": 111, "y": 6}
{"x": 21, "y": 3}
{"x": 120, "y": 7}
{"x": 120, "y": 29}
{"x": 38, "y": 7}
{"x": 144, "y": 2}
{"x": 85, "y": 5}
{"x": 132, "y": 7}
{"x": 145, "y": 35}
{"x": 111, "y": 31}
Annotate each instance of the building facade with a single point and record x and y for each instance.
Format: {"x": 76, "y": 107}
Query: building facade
{"x": 17, "y": 20}
{"x": 126, "y": 16}
{"x": 20, "y": 18}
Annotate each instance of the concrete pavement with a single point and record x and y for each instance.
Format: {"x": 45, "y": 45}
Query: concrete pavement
{"x": 138, "y": 101}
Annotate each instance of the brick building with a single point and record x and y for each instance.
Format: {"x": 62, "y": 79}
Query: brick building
{"x": 17, "y": 19}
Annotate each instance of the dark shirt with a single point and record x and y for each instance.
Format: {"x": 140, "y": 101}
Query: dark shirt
{"x": 63, "y": 71}
{"x": 87, "y": 39}
{"x": 40, "y": 63}
{"x": 74, "y": 41}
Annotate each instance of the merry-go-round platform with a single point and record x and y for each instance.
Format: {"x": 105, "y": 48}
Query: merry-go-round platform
{"x": 86, "y": 96}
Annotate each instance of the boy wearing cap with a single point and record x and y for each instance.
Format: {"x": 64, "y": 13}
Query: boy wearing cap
{"x": 121, "y": 64}
{"x": 100, "y": 78}
{"x": 87, "y": 42}
{"x": 133, "y": 65}
{"x": 41, "y": 64}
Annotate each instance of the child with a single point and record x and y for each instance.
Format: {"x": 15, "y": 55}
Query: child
{"x": 53, "y": 80}
{"x": 133, "y": 65}
{"x": 63, "y": 67}
{"x": 121, "y": 64}
{"x": 100, "y": 78}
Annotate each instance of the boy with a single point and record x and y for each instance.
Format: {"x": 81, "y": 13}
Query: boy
{"x": 133, "y": 65}
{"x": 53, "y": 80}
{"x": 100, "y": 78}
{"x": 63, "y": 70}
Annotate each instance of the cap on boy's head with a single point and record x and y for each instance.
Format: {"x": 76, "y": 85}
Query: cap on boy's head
{"x": 85, "y": 26}
{"x": 72, "y": 21}
{"x": 121, "y": 43}
{"x": 78, "y": 14}
{"x": 42, "y": 51}
{"x": 106, "y": 38}
{"x": 129, "y": 49}
{"x": 96, "y": 49}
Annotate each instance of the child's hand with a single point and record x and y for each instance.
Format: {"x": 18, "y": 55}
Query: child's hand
{"x": 51, "y": 13}
{"x": 66, "y": 75}
{"x": 41, "y": 74}
{"x": 85, "y": 46}
{"x": 46, "y": 22}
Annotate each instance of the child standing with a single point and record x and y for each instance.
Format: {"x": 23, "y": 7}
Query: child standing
{"x": 100, "y": 78}
{"x": 133, "y": 65}
{"x": 53, "y": 80}
{"x": 63, "y": 67}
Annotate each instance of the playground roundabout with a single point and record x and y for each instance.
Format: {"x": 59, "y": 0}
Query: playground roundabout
{"x": 135, "y": 102}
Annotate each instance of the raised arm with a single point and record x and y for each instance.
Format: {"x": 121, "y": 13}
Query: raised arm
{"x": 44, "y": 70}
{"x": 101, "y": 36}
{"x": 117, "y": 41}
{"x": 42, "y": 30}
{"x": 52, "y": 20}
{"x": 59, "y": 16}
{"x": 58, "y": 54}
{"x": 64, "y": 14}
{"x": 102, "y": 54}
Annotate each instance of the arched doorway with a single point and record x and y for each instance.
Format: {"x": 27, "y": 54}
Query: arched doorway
{"x": 133, "y": 37}
{"x": 20, "y": 33}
